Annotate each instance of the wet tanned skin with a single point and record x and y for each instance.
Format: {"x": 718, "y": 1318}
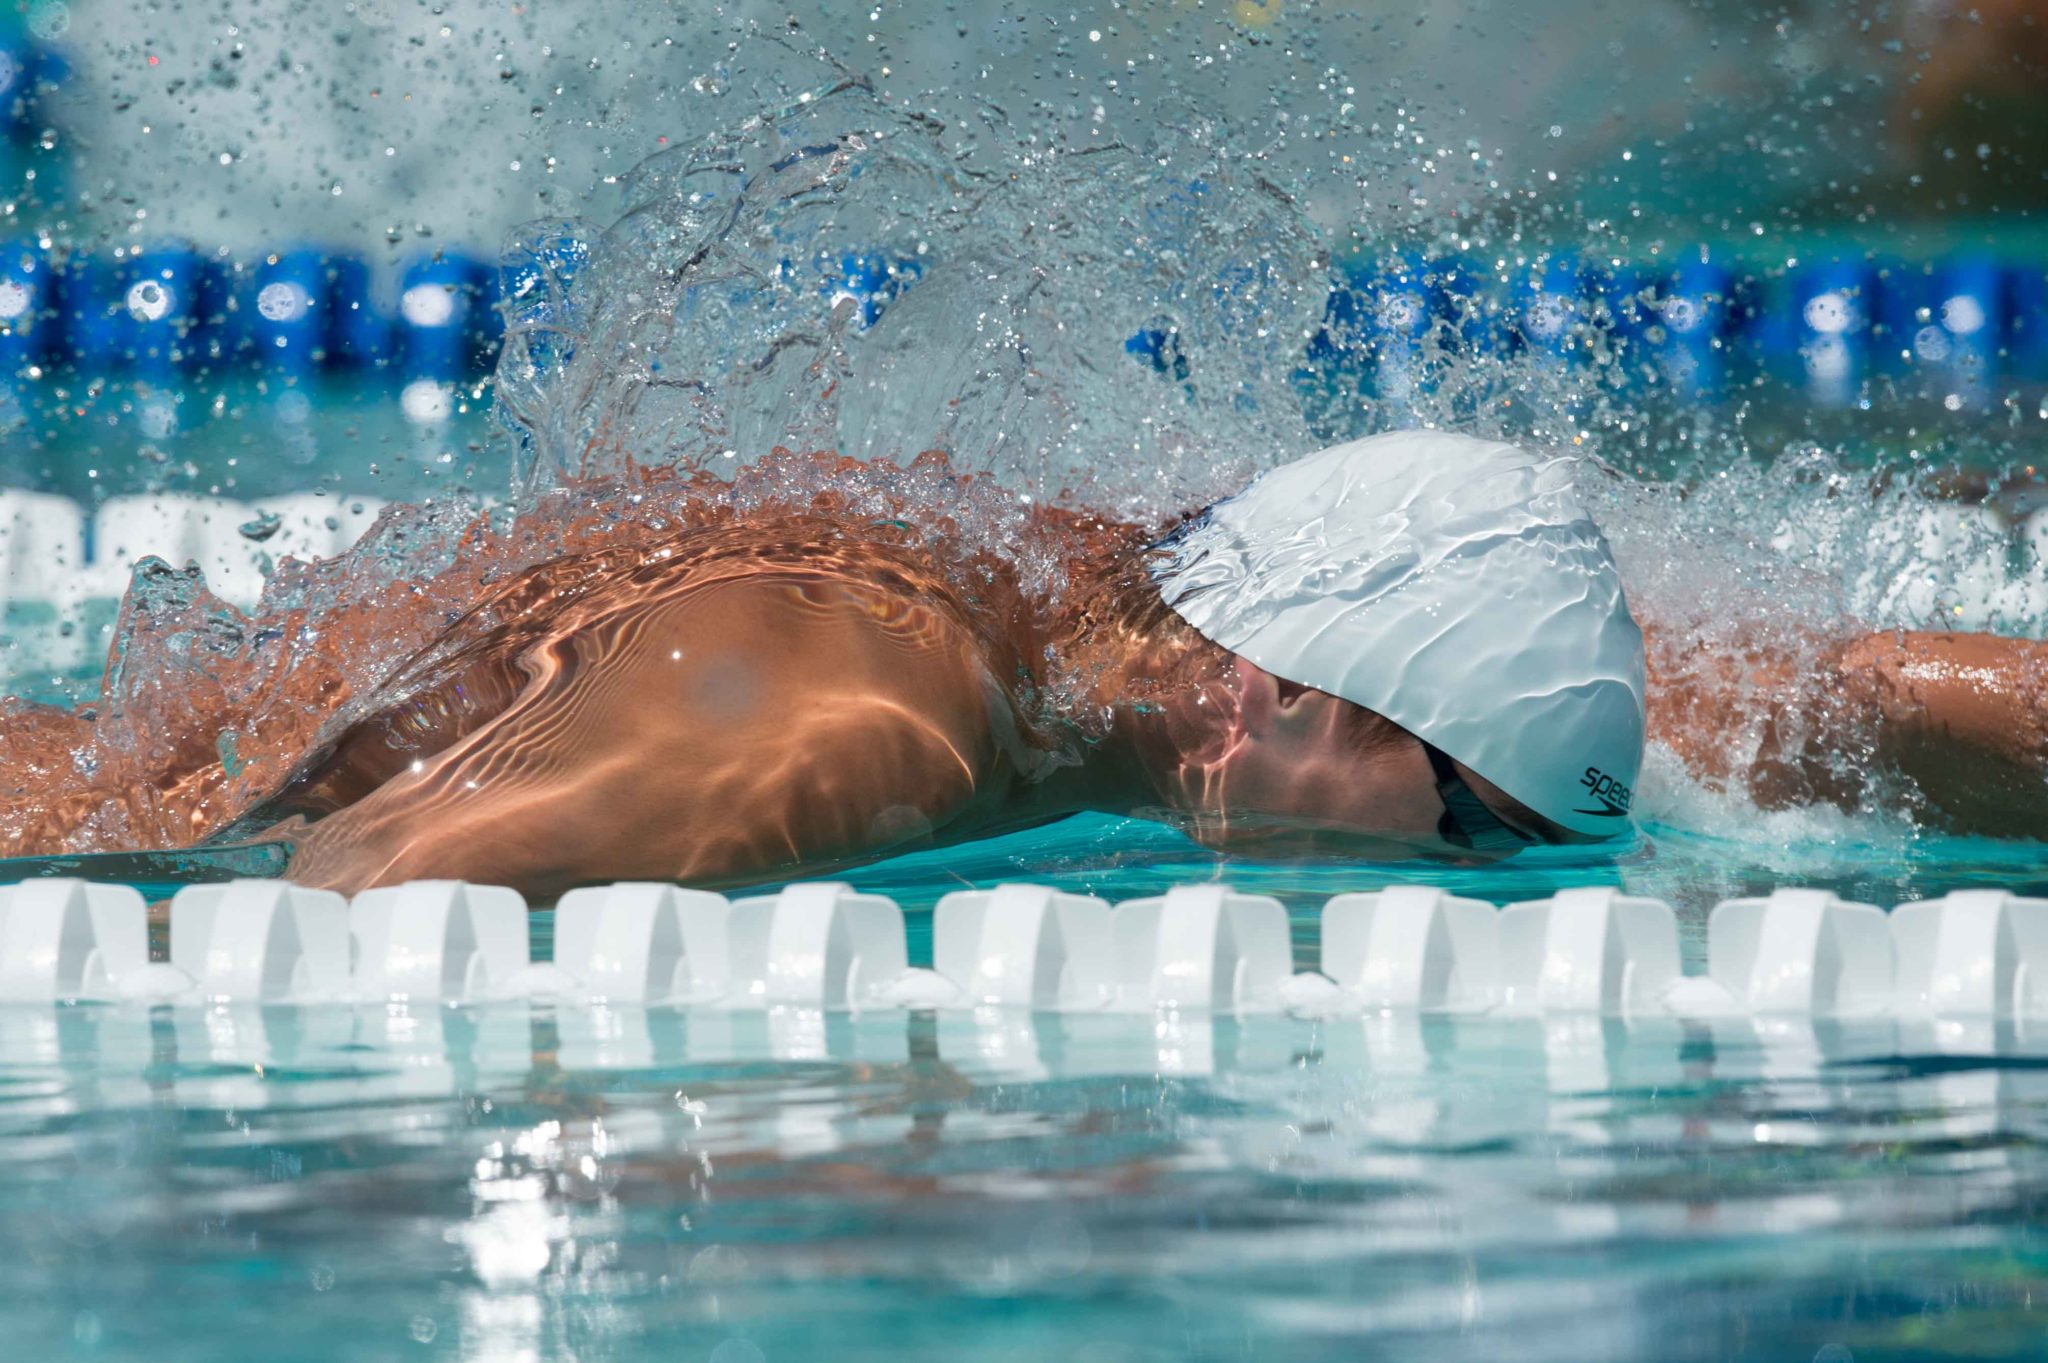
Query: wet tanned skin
{"x": 726, "y": 722}
{"x": 1962, "y": 715}
{"x": 791, "y": 719}
{"x": 796, "y": 711}
{"x": 773, "y": 720}
{"x": 1963, "y": 718}
{"x": 754, "y": 698}
{"x": 803, "y": 720}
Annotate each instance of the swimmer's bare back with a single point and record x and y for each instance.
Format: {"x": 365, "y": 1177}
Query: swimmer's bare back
{"x": 711, "y": 724}
{"x": 778, "y": 695}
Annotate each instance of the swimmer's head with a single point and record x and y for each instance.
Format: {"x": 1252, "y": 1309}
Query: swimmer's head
{"x": 1455, "y": 591}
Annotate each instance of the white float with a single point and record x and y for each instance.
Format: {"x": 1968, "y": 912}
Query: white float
{"x": 607, "y": 1036}
{"x": 1972, "y": 953}
{"x": 424, "y": 1049}
{"x": 67, "y": 939}
{"x": 1973, "y": 960}
{"x": 178, "y": 529}
{"x": 313, "y": 525}
{"x": 261, "y": 941}
{"x": 1592, "y": 950}
{"x": 1801, "y": 951}
{"x": 643, "y": 942}
{"x": 1202, "y": 947}
{"x": 1311, "y": 994}
{"x": 42, "y": 547}
{"x": 918, "y": 990}
{"x": 817, "y": 945}
{"x": 437, "y": 940}
{"x": 225, "y": 1049}
{"x": 42, "y": 552}
{"x": 1412, "y": 946}
{"x": 1026, "y": 946}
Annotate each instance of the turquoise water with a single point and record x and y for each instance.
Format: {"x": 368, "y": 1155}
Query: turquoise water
{"x": 555, "y": 1182}
{"x": 529, "y": 1182}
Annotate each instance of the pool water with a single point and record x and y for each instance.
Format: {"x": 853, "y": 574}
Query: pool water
{"x": 553, "y": 1181}
{"x": 513, "y": 1182}
{"x": 528, "y": 1182}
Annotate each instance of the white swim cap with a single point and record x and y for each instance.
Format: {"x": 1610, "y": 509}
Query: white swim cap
{"x": 1456, "y": 587}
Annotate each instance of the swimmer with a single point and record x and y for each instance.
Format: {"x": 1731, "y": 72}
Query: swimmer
{"x": 1415, "y": 645}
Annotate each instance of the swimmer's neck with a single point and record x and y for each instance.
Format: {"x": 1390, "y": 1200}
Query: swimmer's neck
{"x": 1138, "y": 766}
{"x": 1155, "y": 697}
{"x": 1221, "y": 748}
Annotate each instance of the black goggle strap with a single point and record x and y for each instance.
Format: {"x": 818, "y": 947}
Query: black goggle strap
{"x": 1466, "y": 821}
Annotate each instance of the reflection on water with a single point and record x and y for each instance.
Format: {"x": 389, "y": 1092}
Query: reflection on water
{"x": 531, "y": 1182}
{"x": 537, "y": 1182}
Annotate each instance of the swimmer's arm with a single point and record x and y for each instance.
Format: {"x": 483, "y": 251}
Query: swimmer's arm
{"x": 1964, "y": 716}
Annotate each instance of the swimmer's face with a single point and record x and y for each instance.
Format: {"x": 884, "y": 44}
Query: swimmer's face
{"x": 1273, "y": 768}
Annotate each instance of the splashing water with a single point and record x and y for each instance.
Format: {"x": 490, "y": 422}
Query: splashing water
{"x": 842, "y": 275}
{"x": 1117, "y": 323}
{"x": 1009, "y": 277}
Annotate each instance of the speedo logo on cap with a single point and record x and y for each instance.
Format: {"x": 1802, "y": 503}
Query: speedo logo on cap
{"x": 1613, "y": 795}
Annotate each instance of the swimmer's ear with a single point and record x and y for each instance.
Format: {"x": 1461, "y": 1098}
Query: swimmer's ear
{"x": 1264, "y": 699}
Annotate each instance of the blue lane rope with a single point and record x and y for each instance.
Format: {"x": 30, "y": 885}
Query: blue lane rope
{"x": 1829, "y": 324}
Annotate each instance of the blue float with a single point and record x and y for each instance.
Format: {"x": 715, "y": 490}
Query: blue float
{"x": 1386, "y": 326}
{"x": 873, "y": 280}
{"x": 88, "y": 292}
{"x": 1547, "y": 309}
{"x": 2026, "y": 320}
{"x": 1157, "y": 346}
{"x": 1822, "y": 329}
{"x": 1695, "y": 319}
{"x": 1900, "y": 308}
{"x": 285, "y": 306}
{"x": 25, "y": 305}
{"x": 444, "y": 317}
{"x": 26, "y": 69}
{"x": 1966, "y": 327}
{"x": 1621, "y": 304}
{"x": 359, "y": 333}
{"x": 166, "y": 298}
{"x": 537, "y": 280}
{"x": 1939, "y": 325}
{"x": 1954, "y": 327}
